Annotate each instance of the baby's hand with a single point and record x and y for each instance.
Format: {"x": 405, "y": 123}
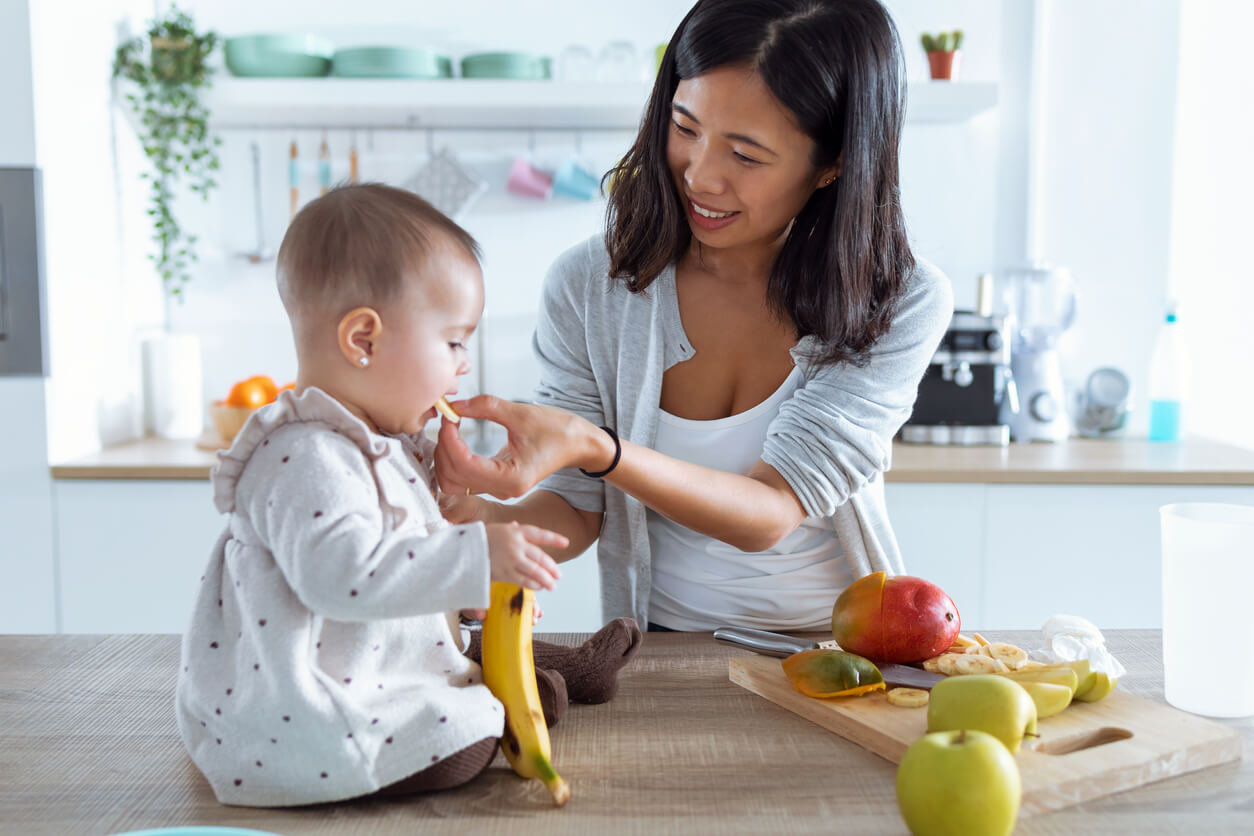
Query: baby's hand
{"x": 460, "y": 509}
{"x": 516, "y": 555}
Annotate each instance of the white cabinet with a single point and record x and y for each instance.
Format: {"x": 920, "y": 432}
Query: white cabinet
{"x": 132, "y": 551}
{"x": 940, "y": 528}
{"x": 1012, "y": 555}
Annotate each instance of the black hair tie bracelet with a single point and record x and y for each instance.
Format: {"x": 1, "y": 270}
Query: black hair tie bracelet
{"x": 618, "y": 454}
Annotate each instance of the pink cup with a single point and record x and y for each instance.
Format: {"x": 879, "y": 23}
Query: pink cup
{"x": 525, "y": 179}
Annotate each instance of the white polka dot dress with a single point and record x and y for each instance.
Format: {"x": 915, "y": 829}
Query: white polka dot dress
{"x": 323, "y": 658}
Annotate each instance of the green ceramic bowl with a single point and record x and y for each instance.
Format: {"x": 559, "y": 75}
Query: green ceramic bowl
{"x": 390, "y": 62}
{"x": 516, "y": 65}
{"x": 278, "y": 56}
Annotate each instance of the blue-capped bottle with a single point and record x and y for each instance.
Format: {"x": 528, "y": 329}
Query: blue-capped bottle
{"x": 1167, "y": 377}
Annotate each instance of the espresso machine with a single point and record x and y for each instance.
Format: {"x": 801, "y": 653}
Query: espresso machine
{"x": 967, "y": 389}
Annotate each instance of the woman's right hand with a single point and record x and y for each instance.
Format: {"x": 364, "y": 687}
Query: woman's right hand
{"x": 541, "y": 440}
{"x": 517, "y": 555}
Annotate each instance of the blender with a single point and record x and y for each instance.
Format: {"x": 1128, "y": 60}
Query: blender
{"x": 1040, "y": 307}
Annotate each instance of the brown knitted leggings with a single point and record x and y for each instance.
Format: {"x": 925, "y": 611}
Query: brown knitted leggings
{"x": 455, "y": 770}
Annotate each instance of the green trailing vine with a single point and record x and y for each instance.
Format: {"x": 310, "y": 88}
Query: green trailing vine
{"x": 169, "y": 67}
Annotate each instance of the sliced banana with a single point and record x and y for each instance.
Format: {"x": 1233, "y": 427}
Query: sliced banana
{"x": 977, "y": 650}
{"x": 908, "y": 697}
{"x": 976, "y": 663}
{"x": 980, "y": 639}
{"x": 961, "y": 641}
{"x": 1013, "y": 657}
{"x": 946, "y": 663}
{"x": 932, "y": 665}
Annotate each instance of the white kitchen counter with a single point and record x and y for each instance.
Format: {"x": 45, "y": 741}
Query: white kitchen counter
{"x": 1074, "y": 462}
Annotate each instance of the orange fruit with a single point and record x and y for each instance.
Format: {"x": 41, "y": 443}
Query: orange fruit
{"x": 254, "y": 392}
{"x": 291, "y": 385}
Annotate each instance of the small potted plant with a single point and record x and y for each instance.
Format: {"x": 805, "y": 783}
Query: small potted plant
{"x": 943, "y": 53}
{"x": 168, "y": 66}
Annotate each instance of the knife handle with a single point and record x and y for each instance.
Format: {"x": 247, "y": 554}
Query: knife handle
{"x": 760, "y": 641}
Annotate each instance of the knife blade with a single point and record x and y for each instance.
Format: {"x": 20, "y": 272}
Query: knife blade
{"x": 781, "y": 646}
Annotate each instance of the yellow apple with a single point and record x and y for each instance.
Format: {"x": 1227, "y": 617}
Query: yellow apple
{"x": 958, "y": 783}
{"x": 1102, "y": 685}
{"x": 1050, "y": 698}
{"x": 1085, "y": 675}
{"x": 986, "y": 702}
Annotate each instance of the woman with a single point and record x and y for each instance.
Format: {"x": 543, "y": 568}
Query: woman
{"x": 735, "y": 356}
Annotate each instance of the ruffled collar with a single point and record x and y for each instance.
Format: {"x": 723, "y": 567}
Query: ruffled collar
{"x": 313, "y": 404}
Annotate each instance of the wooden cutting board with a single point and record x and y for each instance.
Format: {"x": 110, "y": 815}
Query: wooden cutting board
{"x": 1089, "y": 750}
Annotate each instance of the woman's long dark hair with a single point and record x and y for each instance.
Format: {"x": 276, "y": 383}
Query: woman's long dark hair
{"x": 837, "y": 65}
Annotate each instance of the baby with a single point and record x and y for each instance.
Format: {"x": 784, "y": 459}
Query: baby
{"x": 324, "y": 659}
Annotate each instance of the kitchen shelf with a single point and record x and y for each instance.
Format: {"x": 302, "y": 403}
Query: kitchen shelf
{"x": 479, "y": 104}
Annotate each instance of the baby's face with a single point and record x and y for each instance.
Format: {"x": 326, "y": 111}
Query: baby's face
{"x": 423, "y": 347}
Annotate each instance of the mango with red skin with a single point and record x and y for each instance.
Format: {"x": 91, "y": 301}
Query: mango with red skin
{"x": 900, "y": 619}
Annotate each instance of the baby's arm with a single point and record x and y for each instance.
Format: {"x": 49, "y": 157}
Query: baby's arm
{"x": 313, "y": 501}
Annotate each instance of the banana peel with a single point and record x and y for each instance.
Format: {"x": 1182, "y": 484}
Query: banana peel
{"x": 510, "y": 674}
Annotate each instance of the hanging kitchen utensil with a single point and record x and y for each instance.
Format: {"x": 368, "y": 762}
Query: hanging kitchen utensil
{"x": 259, "y": 253}
{"x": 448, "y": 185}
{"x": 324, "y": 165}
{"x": 293, "y": 179}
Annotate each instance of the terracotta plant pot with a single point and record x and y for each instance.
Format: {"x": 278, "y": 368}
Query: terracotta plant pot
{"x": 944, "y": 65}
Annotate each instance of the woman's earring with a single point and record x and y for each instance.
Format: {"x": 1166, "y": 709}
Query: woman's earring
{"x": 364, "y": 360}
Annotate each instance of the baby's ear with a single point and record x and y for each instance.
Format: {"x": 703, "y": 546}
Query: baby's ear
{"x": 357, "y": 333}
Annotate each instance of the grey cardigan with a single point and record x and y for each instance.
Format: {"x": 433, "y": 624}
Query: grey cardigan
{"x": 603, "y": 349}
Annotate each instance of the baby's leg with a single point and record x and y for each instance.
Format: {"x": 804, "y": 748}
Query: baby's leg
{"x": 590, "y": 670}
{"x": 458, "y": 768}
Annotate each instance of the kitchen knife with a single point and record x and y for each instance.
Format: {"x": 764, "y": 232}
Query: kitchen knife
{"x": 781, "y": 646}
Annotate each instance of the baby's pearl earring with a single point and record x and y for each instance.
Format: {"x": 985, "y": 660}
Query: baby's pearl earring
{"x": 364, "y": 360}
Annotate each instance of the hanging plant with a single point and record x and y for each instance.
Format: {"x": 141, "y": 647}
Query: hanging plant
{"x": 169, "y": 67}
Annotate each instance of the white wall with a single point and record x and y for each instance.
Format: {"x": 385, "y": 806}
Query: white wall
{"x": 1105, "y": 207}
{"x": 1210, "y": 271}
{"x": 1110, "y": 79}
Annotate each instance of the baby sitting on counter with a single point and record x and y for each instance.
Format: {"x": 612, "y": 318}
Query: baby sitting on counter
{"x": 324, "y": 659}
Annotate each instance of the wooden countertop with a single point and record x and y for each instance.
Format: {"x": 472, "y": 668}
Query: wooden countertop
{"x": 88, "y": 745}
{"x": 1078, "y": 461}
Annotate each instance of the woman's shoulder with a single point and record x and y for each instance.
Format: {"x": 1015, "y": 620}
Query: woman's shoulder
{"x": 582, "y": 264}
{"x": 927, "y": 301}
{"x": 579, "y": 278}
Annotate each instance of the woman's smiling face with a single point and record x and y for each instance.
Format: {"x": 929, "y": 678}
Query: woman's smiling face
{"x": 742, "y": 166}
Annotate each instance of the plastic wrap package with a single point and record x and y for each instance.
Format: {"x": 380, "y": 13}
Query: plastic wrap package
{"x": 1070, "y": 637}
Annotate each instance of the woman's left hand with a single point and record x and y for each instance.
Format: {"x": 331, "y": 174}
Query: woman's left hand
{"x": 541, "y": 440}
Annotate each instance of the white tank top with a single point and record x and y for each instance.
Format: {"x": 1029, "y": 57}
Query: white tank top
{"x": 700, "y": 583}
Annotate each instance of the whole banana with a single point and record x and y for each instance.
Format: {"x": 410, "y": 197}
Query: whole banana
{"x": 510, "y": 674}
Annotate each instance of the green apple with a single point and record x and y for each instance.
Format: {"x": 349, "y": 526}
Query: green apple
{"x": 1050, "y": 698}
{"x": 1085, "y": 675}
{"x": 1101, "y": 687}
{"x": 987, "y": 702}
{"x": 959, "y": 783}
{"x": 1060, "y": 674}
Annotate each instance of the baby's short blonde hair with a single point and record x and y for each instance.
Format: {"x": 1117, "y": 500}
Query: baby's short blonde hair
{"x": 356, "y": 244}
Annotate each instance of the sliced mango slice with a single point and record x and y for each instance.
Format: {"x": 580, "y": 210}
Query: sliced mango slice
{"x": 832, "y": 673}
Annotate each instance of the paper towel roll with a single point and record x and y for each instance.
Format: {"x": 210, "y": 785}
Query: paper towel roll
{"x": 174, "y": 404}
